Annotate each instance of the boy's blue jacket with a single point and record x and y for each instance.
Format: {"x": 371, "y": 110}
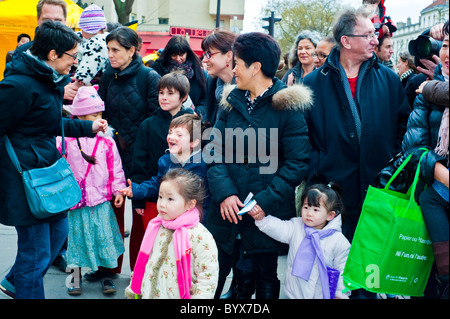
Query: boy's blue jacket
{"x": 150, "y": 188}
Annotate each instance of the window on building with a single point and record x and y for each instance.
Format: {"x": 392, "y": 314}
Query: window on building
{"x": 163, "y": 20}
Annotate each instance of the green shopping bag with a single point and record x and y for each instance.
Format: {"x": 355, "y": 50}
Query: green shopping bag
{"x": 391, "y": 251}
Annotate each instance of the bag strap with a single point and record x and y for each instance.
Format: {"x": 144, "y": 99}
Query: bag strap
{"x": 412, "y": 189}
{"x": 13, "y": 156}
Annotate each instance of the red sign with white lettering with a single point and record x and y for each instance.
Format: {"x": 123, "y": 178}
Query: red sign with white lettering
{"x": 194, "y": 33}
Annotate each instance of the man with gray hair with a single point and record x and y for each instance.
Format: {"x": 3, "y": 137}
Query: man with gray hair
{"x": 359, "y": 114}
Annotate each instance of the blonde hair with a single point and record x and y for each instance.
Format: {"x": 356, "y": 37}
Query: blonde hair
{"x": 190, "y": 186}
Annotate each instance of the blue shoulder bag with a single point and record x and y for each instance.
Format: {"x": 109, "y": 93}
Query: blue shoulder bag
{"x": 49, "y": 190}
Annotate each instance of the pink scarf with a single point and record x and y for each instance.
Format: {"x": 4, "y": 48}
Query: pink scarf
{"x": 181, "y": 245}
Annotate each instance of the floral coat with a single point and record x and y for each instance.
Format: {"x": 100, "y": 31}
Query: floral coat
{"x": 160, "y": 278}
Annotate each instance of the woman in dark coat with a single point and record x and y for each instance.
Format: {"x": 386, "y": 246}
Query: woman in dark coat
{"x": 31, "y": 98}
{"x": 178, "y": 55}
{"x": 410, "y": 77}
{"x": 270, "y": 164}
{"x": 130, "y": 92}
{"x": 301, "y": 58}
{"x": 428, "y": 127}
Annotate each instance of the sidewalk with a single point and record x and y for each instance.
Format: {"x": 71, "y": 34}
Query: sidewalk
{"x": 55, "y": 280}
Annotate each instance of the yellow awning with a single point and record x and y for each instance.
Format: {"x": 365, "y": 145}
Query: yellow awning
{"x": 20, "y": 16}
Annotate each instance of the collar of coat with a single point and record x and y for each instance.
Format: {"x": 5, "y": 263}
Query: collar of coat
{"x": 297, "y": 97}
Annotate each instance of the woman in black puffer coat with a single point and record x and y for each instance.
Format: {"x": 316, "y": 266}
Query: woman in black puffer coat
{"x": 428, "y": 126}
{"x": 128, "y": 101}
{"x": 130, "y": 92}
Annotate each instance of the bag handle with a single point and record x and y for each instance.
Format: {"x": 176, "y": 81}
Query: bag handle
{"x": 416, "y": 175}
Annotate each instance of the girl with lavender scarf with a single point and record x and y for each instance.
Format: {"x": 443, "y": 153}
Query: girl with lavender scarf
{"x": 317, "y": 248}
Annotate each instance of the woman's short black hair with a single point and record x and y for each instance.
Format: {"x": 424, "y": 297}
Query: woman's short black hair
{"x": 53, "y": 35}
{"x": 258, "y": 47}
{"x": 126, "y": 37}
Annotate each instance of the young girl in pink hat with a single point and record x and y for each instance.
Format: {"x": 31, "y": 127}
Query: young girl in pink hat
{"x": 94, "y": 239}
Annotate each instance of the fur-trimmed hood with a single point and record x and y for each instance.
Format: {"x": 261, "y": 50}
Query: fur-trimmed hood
{"x": 296, "y": 97}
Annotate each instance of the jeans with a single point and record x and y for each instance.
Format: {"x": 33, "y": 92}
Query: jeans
{"x": 435, "y": 214}
{"x": 37, "y": 248}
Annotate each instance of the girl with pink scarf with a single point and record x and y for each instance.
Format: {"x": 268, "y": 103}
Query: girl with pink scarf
{"x": 178, "y": 255}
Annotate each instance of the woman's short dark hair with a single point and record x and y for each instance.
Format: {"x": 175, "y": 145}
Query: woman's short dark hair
{"x": 221, "y": 40}
{"x": 53, "y": 35}
{"x": 126, "y": 37}
{"x": 258, "y": 47}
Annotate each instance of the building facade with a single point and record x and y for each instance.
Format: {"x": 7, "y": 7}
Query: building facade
{"x": 433, "y": 14}
{"x": 158, "y": 20}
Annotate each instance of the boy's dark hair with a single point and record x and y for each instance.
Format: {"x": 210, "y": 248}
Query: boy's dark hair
{"x": 258, "y": 47}
{"x": 53, "y": 36}
{"x": 331, "y": 194}
{"x": 175, "y": 80}
{"x": 23, "y": 35}
{"x": 192, "y": 122}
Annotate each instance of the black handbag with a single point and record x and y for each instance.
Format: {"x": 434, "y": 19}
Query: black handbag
{"x": 405, "y": 178}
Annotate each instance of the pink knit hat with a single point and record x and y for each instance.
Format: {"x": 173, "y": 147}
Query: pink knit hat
{"x": 92, "y": 19}
{"x": 87, "y": 101}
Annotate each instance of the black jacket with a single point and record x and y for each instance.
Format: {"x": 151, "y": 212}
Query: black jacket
{"x": 30, "y": 108}
{"x": 337, "y": 155}
{"x": 423, "y": 131}
{"x": 277, "y": 120}
{"x": 126, "y": 106}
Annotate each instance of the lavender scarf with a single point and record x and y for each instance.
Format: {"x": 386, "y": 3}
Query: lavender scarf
{"x": 307, "y": 252}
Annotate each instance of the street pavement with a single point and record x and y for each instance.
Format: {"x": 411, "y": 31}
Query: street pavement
{"x": 55, "y": 279}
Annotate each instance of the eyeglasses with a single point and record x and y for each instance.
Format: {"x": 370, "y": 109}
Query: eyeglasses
{"x": 209, "y": 54}
{"x": 320, "y": 56}
{"x": 368, "y": 37}
{"x": 73, "y": 56}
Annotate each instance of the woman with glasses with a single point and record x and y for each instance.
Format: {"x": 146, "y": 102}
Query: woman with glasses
{"x": 323, "y": 49}
{"x": 218, "y": 59}
{"x": 31, "y": 98}
{"x": 301, "y": 57}
{"x": 178, "y": 55}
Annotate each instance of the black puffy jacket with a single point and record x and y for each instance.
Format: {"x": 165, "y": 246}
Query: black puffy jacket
{"x": 423, "y": 131}
{"x": 127, "y": 105}
{"x": 277, "y": 120}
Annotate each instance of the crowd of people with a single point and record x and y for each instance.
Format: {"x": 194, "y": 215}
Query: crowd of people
{"x": 215, "y": 152}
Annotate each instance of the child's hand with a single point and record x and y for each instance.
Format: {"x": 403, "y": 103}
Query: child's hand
{"x": 127, "y": 191}
{"x": 257, "y": 213}
{"x": 118, "y": 200}
{"x": 140, "y": 211}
